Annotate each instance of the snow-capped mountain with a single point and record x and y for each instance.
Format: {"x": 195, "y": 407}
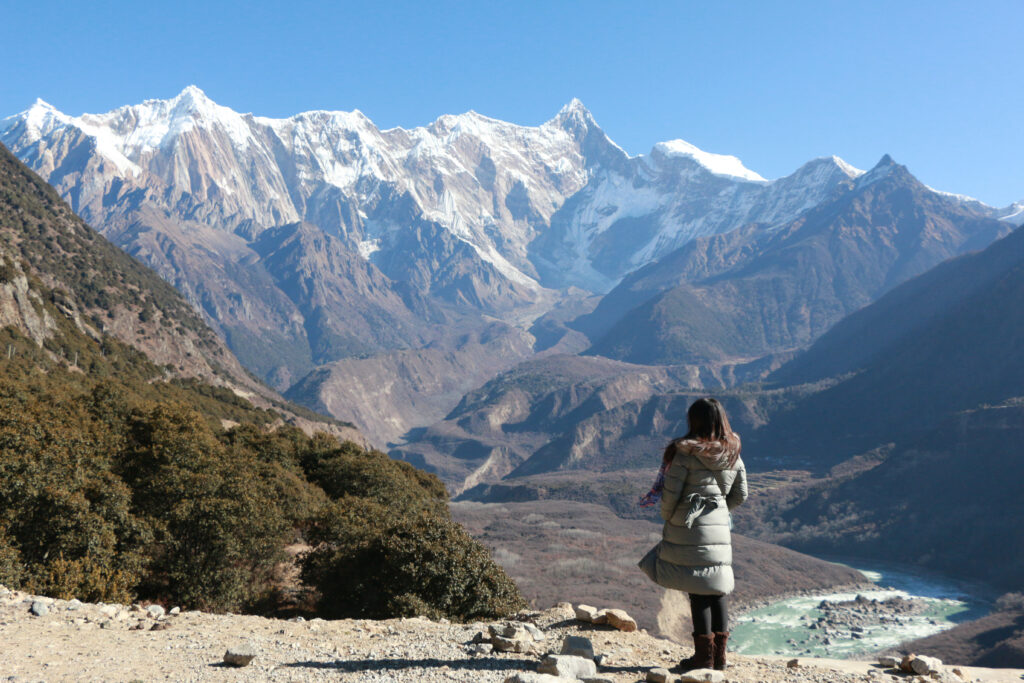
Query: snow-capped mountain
{"x": 551, "y": 205}
{"x": 321, "y": 238}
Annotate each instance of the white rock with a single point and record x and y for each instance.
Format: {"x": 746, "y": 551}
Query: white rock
{"x": 567, "y": 666}
{"x": 658, "y": 675}
{"x": 534, "y": 632}
{"x": 586, "y": 613}
{"x": 889, "y": 661}
{"x": 530, "y": 677}
{"x": 108, "y": 611}
{"x": 175, "y": 610}
{"x": 924, "y": 665}
{"x": 702, "y": 676}
{"x": 578, "y": 646}
{"x": 503, "y": 644}
{"x": 239, "y": 655}
{"x": 155, "y": 611}
{"x": 39, "y": 608}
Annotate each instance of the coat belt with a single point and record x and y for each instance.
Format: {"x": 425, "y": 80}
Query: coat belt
{"x": 698, "y": 504}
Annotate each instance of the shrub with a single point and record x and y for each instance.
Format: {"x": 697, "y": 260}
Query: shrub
{"x": 65, "y": 514}
{"x": 218, "y": 530}
{"x": 349, "y": 470}
{"x": 1010, "y": 602}
{"x": 10, "y": 561}
{"x": 368, "y": 563}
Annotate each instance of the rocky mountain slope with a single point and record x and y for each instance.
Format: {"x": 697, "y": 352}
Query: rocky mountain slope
{"x": 321, "y": 238}
{"x": 68, "y": 290}
{"x": 192, "y": 645}
{"x": 751, "y": 293}
{"x": 996, "y": 640}
{"x": 50, "y": 256}
{"x": 931, "y": 349}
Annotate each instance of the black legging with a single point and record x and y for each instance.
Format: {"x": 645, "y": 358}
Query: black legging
{"x": 710, "y": 613}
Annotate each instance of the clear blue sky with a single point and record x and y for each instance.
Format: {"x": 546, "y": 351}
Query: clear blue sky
{"x": 939, "y": 85}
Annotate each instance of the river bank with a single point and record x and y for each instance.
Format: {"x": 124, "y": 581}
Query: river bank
{"x": 898, "y": 605}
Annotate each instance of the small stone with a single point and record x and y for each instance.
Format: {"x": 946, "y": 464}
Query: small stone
{"x": 657, "y": 676}
{"x": 39, "y": 608}
{"x": 534, "y": 632}
{"x": 702, "y": 676}
{"x": 925, "y": 665}
{"x": 175, "y": 611}
{"x": 889, "y": 661}
{"x": 140, "y": 626}
{"x": 530, "y": 677}
{"x": 155, "y": 611}
{"x": 586, "y": 613}
{"x": 578, "y": 646}
{"x": 74, "y": 604}
{"x": 239, "y": 655}
{"x": 160, "y": 626}
{"x": 793, "y": 664}
{"x": 482, "y": 649}
{"x": 567, "y": 666}
{"x": 503, "y": 644}
{"x": 620, "y": 620}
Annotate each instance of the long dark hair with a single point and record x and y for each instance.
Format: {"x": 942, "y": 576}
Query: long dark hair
{"x": 705, "y": 421}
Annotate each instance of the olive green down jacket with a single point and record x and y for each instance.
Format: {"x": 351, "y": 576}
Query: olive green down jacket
{"x": 698, "y": 558}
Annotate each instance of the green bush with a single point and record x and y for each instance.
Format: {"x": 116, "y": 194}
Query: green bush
{"x": 369, "y": 564}
{"x": 118, "y": 490}
{"x": 65, "y": 515}
{"x": 218, "y": 530}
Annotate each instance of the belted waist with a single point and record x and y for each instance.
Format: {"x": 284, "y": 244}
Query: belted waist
{"x": 698, "y": 504}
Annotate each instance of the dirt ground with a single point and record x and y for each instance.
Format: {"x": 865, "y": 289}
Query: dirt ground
{"x": 92, "y": 642}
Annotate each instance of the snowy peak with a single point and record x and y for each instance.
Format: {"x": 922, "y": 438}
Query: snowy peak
{"x": 574, "y": 116}
{"x": 718, "y": 164}
{"x": 1014, "y": 213}
{"x": 39, "y": 119}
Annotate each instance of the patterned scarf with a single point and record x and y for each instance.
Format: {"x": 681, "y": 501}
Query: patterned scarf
{"x": 715, "y": 455}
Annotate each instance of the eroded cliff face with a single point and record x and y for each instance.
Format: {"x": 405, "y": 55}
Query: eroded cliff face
{"x": 61, "y": 282}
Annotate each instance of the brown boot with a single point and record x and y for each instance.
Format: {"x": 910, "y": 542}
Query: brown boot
{"x": 703, "y": 653}
{"x": 721, "y": 645}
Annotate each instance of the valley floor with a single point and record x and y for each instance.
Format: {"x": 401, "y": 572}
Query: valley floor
{"x": 86, "y": 642}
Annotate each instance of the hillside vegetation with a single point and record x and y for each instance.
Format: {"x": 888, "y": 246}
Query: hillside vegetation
{"x": 126, "y": 478}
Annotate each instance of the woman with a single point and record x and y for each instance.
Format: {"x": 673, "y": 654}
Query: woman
{"x": 704, "y": 479}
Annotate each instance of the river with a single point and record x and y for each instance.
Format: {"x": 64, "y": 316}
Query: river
{"x": 785, "y": 627}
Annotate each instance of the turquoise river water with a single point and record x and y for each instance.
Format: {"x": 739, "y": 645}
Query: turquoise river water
{"x": 783, "y": 627}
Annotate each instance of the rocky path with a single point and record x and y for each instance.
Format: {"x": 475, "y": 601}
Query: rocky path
{"x": 56, "y": 640}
